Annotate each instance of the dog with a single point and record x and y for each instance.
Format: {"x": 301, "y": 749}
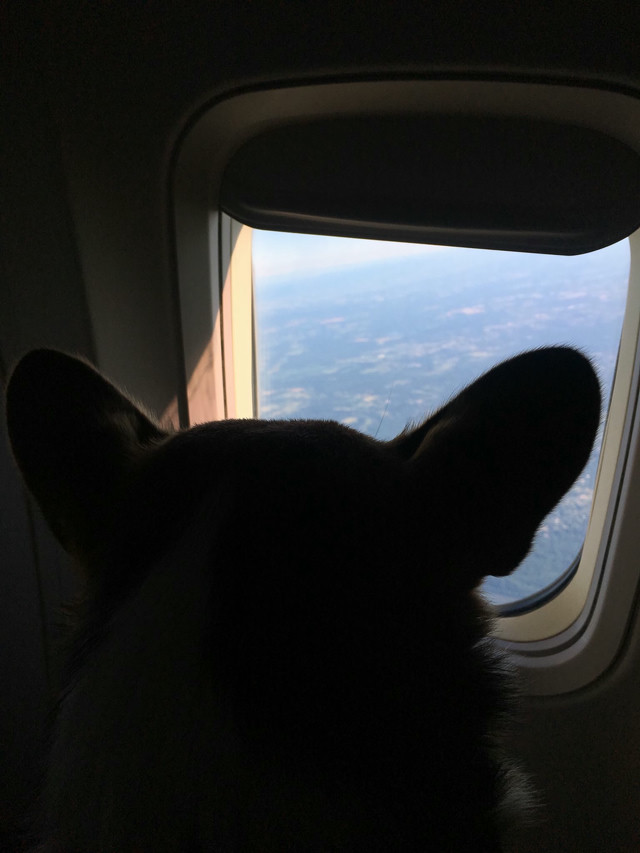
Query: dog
{"x": 281, "y": 645}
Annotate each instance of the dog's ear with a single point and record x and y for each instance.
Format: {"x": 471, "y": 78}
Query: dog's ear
{"x": 503, "y": 452}
{"x": 76, "y": 440}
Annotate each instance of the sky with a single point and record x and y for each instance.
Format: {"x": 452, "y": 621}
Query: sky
{"x": 279, "y": 254}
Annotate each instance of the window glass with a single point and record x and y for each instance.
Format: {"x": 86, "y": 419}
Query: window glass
{"x": 375, "y": 335}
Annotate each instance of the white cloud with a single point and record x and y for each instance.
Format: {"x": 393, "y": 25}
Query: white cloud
{"x": 278, "y": 254}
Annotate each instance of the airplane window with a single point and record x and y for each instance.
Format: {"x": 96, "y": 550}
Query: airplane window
{"x": 375, "y": 334}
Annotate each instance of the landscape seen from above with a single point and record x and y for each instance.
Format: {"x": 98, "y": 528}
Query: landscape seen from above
{"x": 376, "y": 335}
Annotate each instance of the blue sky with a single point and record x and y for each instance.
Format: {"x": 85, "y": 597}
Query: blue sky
{"x": 278, "y": 254}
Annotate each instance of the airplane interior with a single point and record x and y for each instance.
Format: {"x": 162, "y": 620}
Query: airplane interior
{"x": 140, "y": 146}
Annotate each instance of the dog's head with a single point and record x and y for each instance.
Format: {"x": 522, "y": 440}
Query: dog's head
{"x": 338, "y": 619}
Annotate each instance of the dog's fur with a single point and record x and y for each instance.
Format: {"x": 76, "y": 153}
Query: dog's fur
{"x": 281, "y": 646}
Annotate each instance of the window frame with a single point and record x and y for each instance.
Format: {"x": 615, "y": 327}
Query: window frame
{"x": 570, "y": 639}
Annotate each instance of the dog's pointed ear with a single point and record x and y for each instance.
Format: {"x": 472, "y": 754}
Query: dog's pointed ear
{"x": 503, "y": 452}
{"x": 76, "y": 440}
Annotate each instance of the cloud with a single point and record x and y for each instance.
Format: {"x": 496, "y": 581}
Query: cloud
{"x": 280, "y": 254}
{"x": 468, "y": 311}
